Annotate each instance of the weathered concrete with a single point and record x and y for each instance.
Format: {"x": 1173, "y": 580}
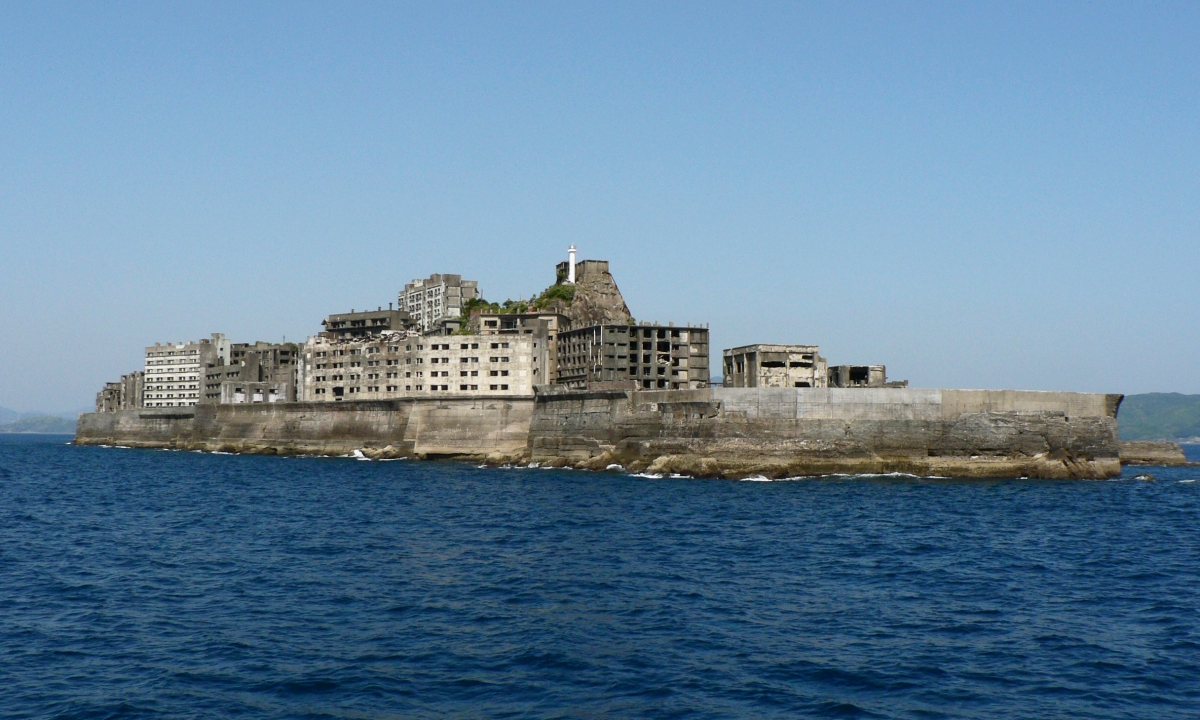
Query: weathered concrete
{"x": 717, "y": 432}
{"x": 475, "y": 427}
{"x": 1162, "y": 454}
{"x": 739, "y": 432}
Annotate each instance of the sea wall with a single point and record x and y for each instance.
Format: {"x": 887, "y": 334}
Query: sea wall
{"x": 717, "y": 432}
{"x": 777, "y": 432}
{"x": 414, "y": 428}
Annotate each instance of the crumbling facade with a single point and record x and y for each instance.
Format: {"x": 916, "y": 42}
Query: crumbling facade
{"x": 397, "y": 365}
{"x": 862, "y": 376}
{"x": 368, "y": 322}
{"x": 547, "y": 324}
{"x": 121, "y": 395}
{"x": 775, "y": 366}
{"x": 633, "y": 356}
{"x": 174, "y": 373}
{"x": 438, "y": 297}
{"x": 262, "y": 372}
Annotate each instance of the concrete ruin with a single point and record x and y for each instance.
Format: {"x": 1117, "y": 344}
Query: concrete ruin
{"x": 634, "y": 356}
{"x": 262, "y": 372}
{"x": 776, "y": 366}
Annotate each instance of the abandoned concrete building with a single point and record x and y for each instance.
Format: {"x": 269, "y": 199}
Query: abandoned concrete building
{"x": 368, "y": 322}
{"x": 121, "y": 395}
{"x": 174, "y": 372}
{"x": 856, "y": 376}
{"x": 774, "y": 366}
{"x": 438, "y": 297}
{"x": 546, "y": 324}
{"x": 640, "y": 356}
{"x": 397, "y": 365}
{"x": 262, "y": 372}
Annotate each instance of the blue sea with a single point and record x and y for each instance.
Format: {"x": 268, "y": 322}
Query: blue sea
{"x": 157, "y": 584}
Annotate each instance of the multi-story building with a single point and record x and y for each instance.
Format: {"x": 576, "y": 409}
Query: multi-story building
{"x": 174, "y": 372}
{"x": 399, "y": 365}
{"x": 549, "y": 324}
{"x": 121, "y": 395}
{"x": 261, "y": 372}
{"x": 639, "y": 356}
{"x": 775, "y": 366}
{"x": 438, "y": 297}
{"x": 368, "y": 322}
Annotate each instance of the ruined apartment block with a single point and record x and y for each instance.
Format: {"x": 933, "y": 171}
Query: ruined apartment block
{"x": 435, "y": 299}
{"x": 121, "y": 395}
{"x": 399, "y": 365}
{"x": 638, "y": 356}
{"x": 775, "y": 366}
{"x": 549, "y": 325}
{"x": 174, "y": 373}
{"x": 262, "y": 372}
{"x": 368, "y": 322}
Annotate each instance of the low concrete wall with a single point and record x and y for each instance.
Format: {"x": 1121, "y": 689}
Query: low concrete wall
{"x": 737, "y": 432}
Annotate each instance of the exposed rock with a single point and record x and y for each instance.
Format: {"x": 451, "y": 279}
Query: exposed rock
{"x": 1161, "y": 454}
{"x": 597, "y": 300}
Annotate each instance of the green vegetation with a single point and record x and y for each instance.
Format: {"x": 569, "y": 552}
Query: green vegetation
{"x": 1159, "y": 416}
{"x": 44, "y": 424}
{"x": 551, "y": 296}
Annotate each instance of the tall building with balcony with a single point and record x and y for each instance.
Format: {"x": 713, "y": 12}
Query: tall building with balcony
{"x": 174, "y": 372}
{"x": 437, "y": 298}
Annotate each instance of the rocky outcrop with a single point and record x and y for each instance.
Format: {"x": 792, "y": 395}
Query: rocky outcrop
{"x": 597, "y": 299}
{"x": 1162, "y": 454}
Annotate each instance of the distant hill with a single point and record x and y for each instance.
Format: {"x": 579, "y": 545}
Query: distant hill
{"x": 42, "y": 424}
{"x": 8, "y": 416}
{"x": 1159, "y": 416}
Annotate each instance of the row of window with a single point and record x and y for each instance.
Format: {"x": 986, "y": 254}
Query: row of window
{"x": 408, "y": 348}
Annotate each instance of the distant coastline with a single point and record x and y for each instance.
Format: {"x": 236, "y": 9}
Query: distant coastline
{"x": 45, "y": 424}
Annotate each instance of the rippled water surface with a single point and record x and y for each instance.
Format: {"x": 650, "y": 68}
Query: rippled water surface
{"x": 140, "y": 583}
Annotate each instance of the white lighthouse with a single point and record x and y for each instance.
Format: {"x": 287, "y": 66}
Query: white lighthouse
{"x": 571, "y": 265}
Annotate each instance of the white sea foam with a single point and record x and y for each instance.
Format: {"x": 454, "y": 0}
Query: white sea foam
{"x": 617, "y": 467}
{"x": 652, "y": 476}
{"x": 756, "y": 478}
{"x": 1189, "y": 480}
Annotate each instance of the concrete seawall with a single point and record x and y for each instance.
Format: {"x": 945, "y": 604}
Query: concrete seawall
{"x": 413, "y": 428}
{"x": 718, "y": 432}
{"x": 780, "y": 432}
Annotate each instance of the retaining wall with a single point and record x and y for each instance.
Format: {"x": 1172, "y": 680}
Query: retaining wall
{"x": 730, "y": 432}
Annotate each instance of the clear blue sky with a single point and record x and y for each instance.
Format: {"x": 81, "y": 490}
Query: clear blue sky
{"x": 977, "y": 195}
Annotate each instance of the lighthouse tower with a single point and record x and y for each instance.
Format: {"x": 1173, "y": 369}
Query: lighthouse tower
{"x": 571, "y": 265}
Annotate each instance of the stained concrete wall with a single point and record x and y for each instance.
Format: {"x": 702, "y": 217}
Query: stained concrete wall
{"x": 446, "y": 426}
{"x": 730, "y": 432}
{"x": 799, "y": 431}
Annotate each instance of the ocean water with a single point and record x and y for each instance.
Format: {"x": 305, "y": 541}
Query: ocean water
{"x": 156, "y": 584}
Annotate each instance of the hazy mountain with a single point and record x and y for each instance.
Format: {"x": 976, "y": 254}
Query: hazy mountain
{"x": 42, "y": 424}
{"x": 1159, "y": 416}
